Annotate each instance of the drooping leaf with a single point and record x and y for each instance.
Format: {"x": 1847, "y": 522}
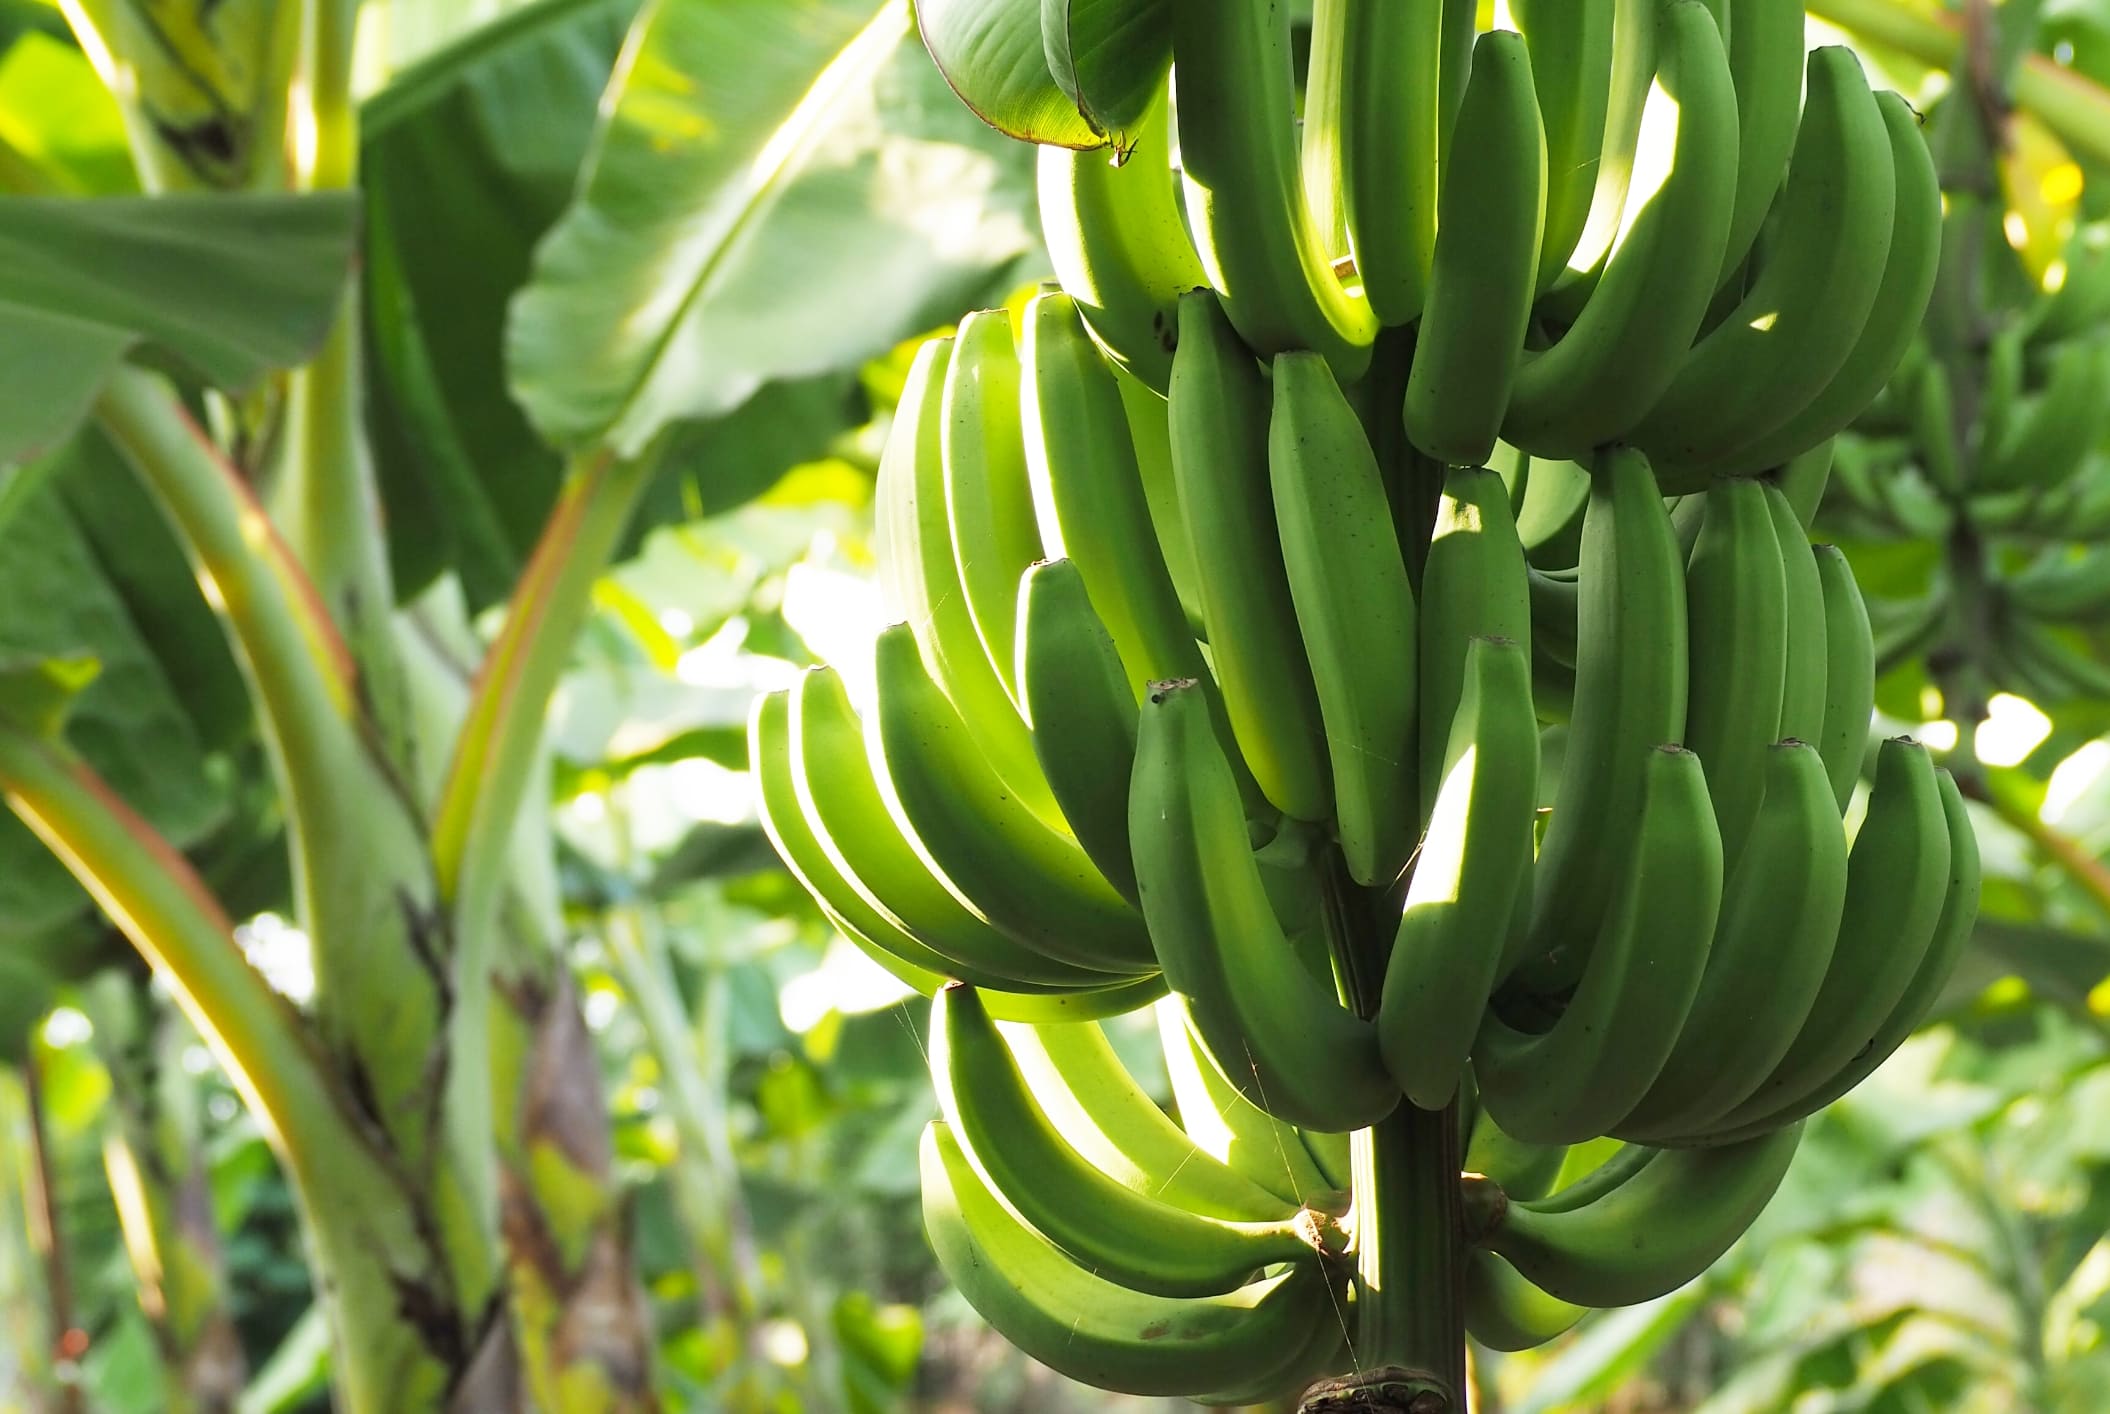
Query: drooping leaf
{"x": 232, "y": 286}
{"x": 995, "y": 57}
{"x": 781, "y": 188}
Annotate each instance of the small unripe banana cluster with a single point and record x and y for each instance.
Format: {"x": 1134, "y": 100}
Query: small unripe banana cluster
{"x": 1993, "y": 445}
{"x": 1383, "y": 635}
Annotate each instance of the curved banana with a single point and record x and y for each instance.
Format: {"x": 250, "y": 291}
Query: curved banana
{"x": 1474, "y": 584}
{"x": 1150, "y": 430}
{"x": 843, "y": 805}
{"x": 1081, "y": 1084}
{"x": 1849, "y": 673}
{"x": 1737, "y": 605}
{"x": 1474, "y": 866}
{"x": 1896, "y": 885}
{"x": 1583, "y": 1075}
{"x": 1094, "y": 1330}
{"x": 1245, "y": 193}
{"x": 922, "y": 579}
{"x": 1275, "y": 1033}
{"x": 1032, "y": 882}
{"x": 1489, "y": 216}
{"x": 1578, "y": 1187}
{"x": 1634, "y": 44}
{"x": 1355, "y": 611}
{"x": 2068, "y": 585}
{"x": 1779, "y": 923}
{"x": 1805, "y": 310}
{"x": 1802, "y": 689}
{"x": 1229, "y": 1127}
{"x": 988, "y": 495}
{"x": 1572, "y": 60}
{"x": 1082, "y": 712}
{"x": 1651, "y": 1234}
{"x": 1630, "y": 685}
{"x": 1115, "y": 236}
{"x": 1959, "y": 915}
{"x": 1765, "y": 43}
{"x": 1390, "y": 118}
{"x": 1803, "y": 479}
{"x": 2052, "y": 432}
{"x": 1219, "y": 421}
{"x": 1504, "y": 1310}
{"x": 900, "y": 953}
{"x": 1893, "y": 320}
{"x": 1524, "y": 1170}
{"x": 1556, "y": 605}
{"x": 1614, "y": 362}
{"x": 1100, "y": 1223}
{"x": 1088, "y": 493}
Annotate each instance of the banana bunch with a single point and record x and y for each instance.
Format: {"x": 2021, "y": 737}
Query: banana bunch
{"x": 1650, "y": 235}
{"x": 2010, "y": 451}
{"x": 1379, "y": 630}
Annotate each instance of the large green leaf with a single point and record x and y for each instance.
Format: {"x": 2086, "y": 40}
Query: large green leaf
{"x": 995, "y": 56}
{"x": 781, "y": 188}
{"x": 467, "y": 159}
{"x": 230, "y": 285}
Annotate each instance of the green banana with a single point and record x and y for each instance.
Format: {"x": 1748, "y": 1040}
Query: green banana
{"x": 1803, "y": 479}
{"x": 2053, "y": 432}
{"x": 1651, "y": 1234}
{"x": 1614, "y": 362}
{"x": 1474, "y": 866}
{"x": 1228, "y": 1127}
{"x": 1219, "y": 419}
{"x": 988, "y": 496}
{"x": 1323, "y": 125}
{"x": 845, "y": 809}
{"x": 1150, "y": 431}
{"x": 1765, "y": 43}
{"x": 1474, "y": 584}
{"x": 1572, "y": 59}
{"x": 1081, "y": 1084}
{"x": 1390, "y": 119}
{"x": 1634, "y": 65}
{"x": 1894, "y": 318}
{"x": 1896, "y": 884}
{"x": 1802, "y": 690}
{"x": 1331, "y": 1152}
{"x": 1100, "y": 1223}
{"x": 1580, "y": 1078}
{"x": 1959, "y": 914}
{"x": 1505, "y": 1311}
{"x": 1489, "y": 215}
{"x": 897, "y": 951}
{"x": 1549, "y": 522}
{"x": 2066, "y": 585}
{"x": 1095, "y": 1330}
{"x": 1275, "y": 1034}
{"x": 1119, "y": 246}
{"x": 1556, "y": 603}
{"x": 1083, "y": 716}
{"x": 1737, "y": 606}
{"x": 1032, "y": 882}
{"x": 1579, "y": 1185}
{"x": 1088, "y": 493}
{"x": 1244, "y": 191}
{"x": 1849, "y": 673}
{"x": 1524, "y": 1170}
{"x": 1355, "y": 611}
{"x": 1630, "y": 685}
{"x": 1779, "y": 923}
{"x": 2081, "y": 298}
{"x": 922, "y": 578}
{"x": 1815, "y": 287}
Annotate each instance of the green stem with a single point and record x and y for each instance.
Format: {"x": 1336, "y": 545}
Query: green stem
{"x": 400, "y": 1337}
{"x": 69, "y": 1341}
{"x": 1409, "y": 1348}
{"x": 2074, "y": 107}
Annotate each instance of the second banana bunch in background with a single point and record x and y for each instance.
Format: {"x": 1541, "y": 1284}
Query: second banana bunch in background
{"x": 1367, "y": 614}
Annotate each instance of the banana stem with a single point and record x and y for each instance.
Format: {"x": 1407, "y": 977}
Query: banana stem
{"x": 1409, "y": 1346}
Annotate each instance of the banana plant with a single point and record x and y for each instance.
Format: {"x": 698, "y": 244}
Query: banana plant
{"x": 436, "y": 1103}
